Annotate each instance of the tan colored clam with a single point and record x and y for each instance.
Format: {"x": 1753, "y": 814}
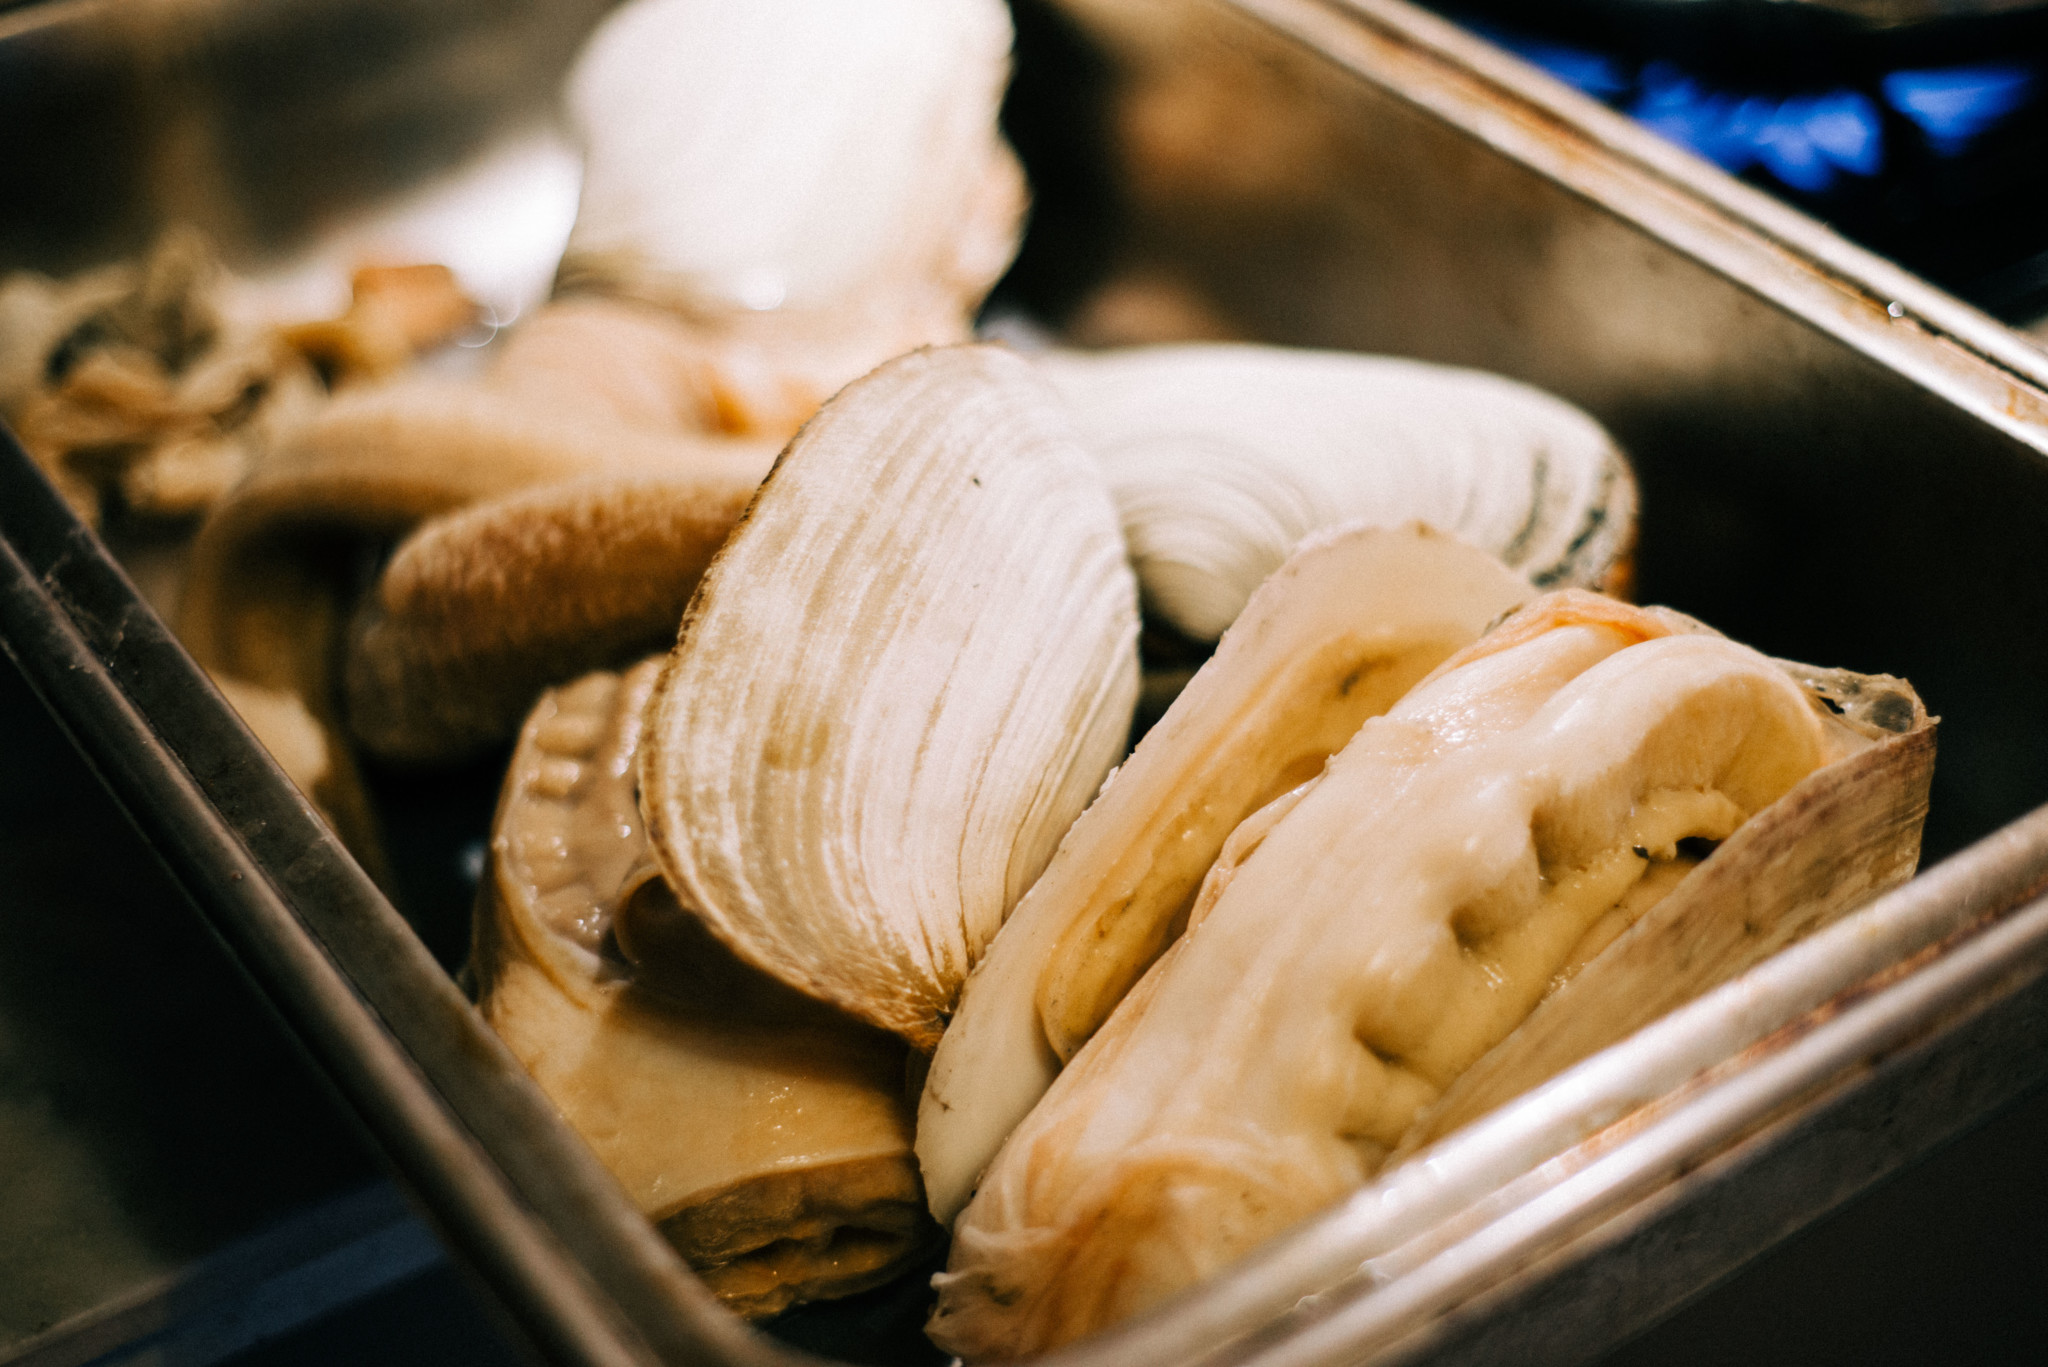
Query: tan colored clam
{"x": 1354, "y": 956}
{"x": 480, "y": 609}
{"x": 897, "y": 686}
{"x": 1338, "y": 634}
{"x": 265, "y": 602}
{"x": 765, "y": 1134}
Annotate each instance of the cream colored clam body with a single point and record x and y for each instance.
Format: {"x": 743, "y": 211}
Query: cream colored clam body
{"x": 897, "y": 686}
{"x": 1336, "y": 635}
{"x": 764, "y": 1133}
{"x": 1837, "y": 839}
{"x": 1363, "y": 949}
{"x": 1222, "y": 457}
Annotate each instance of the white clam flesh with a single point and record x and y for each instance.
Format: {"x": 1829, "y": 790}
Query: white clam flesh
{"x": 1837, "y": 839}
{"x": 1390, "y": 926}
{"x": 1337, "y": 635}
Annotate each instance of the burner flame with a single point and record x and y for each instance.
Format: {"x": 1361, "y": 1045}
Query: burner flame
{"x": 1954, "y": 105}
{"x": 1806, "y": 141}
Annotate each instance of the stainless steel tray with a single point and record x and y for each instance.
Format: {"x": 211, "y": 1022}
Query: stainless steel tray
{"x": 1838, "y": 463}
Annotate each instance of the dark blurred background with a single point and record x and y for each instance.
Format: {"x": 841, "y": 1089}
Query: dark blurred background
{"x": 1920, "y": 130}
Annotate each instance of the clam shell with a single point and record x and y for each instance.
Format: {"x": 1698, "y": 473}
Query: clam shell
{"x": 1336, "y": 635}
{"x": 823, "y": 170}
{"x": 897, "y": 686}
{"x": 265, "y": 604}
{"x": 766, "y": 1135}
{"x": 1466, "y": 850}
{"x": 1222, "y": 457}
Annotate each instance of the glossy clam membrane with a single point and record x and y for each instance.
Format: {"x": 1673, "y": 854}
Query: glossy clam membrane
{"x": 1338, "y": 634}
{"x": 897, "y": 686}
{"x": 1534, "y": 809}
{"x": 1841, "y": 836}
{"x": 767, "y": 1135}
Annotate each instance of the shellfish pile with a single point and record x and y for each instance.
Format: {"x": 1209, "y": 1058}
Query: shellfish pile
{"x": 815, "y": 625}
{"x": 1416, "y": 836}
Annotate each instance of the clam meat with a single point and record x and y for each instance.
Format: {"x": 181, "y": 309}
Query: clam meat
{"x": 1520, "y": 812}
{"x": 1338, "y": 634}
{"x": 765, "y": 1134}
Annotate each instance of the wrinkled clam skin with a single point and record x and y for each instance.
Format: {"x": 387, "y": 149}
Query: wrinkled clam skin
{"x": 481, "y": 609}
{"x": 264, "y": 605}
{"x": 1522, "y": 807}
{"x": 897, "y": 686}
{"x": 765, "y": 1134}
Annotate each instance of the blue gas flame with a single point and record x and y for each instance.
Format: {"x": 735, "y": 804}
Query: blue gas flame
{"x": 1806, "y": 141}
{"x": 1955, "y": 105}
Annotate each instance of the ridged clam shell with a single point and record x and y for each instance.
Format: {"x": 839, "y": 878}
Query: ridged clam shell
{"x": 897, "y": 686}
{"x": 1353, "y": 619}
{"x": 764, "y": 1133}
{"x": 265, "y": 602}
{"x": 1512, "y": 816}
{"x": 1222, "y": 457}
{"x": 831, "y": 166}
